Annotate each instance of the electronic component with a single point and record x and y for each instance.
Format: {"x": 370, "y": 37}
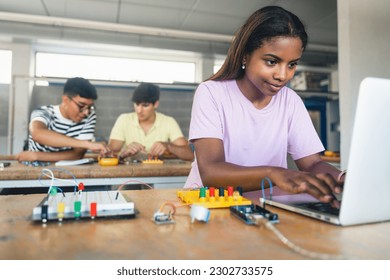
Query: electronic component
{"x": 152, "y": 161}
{"x": 73, "y": 205}
{"x": 77, "y": 209}
{"x": 161, "y": 218}
{"x": 60, "y": 211}
{"x": 199, "y": 213}
{"x": 93, "y": 210}
{"x": 44, "y": 213}
{"x": 246, "y": 212}
{"x": 210, "y": 198}
{"x": 109, "y": 161}
{"x": 4, "y": 164}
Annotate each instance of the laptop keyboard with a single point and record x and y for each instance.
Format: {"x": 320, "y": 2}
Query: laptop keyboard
{"x": 320, "y": 207}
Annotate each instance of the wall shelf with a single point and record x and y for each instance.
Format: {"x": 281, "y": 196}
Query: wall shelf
{"x": 311, "y": 94}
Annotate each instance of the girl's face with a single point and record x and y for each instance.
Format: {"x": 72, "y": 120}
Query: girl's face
{"x": 271, "y": 67}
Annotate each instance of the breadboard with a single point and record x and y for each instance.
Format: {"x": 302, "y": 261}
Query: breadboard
{"x": 217, "y": 201}
{"x": 79, "y": 205}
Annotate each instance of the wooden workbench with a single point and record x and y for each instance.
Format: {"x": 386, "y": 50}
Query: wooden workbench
{"x": 172, "y": 173}
{"x": 223, "y": 237}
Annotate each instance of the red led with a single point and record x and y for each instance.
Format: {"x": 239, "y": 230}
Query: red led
{"x": 230, "y": 191}
{"x": 81, "y": 186}
{"x": 212, "y": 192}
{"x": 93, "y": 209}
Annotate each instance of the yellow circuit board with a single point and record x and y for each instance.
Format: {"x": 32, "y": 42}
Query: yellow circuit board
{"x": 216, "y": 201}
{"x": 152, "y": 161}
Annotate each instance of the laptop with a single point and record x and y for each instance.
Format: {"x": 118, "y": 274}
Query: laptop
{"x": 366, "y": 195}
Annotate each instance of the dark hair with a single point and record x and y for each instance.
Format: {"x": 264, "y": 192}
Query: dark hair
{"x": 264, "y": 24}
{"x": 80, "y": 86}
{"x": 146, "y": 93}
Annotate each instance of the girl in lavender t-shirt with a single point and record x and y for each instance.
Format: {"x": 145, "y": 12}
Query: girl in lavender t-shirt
{"x": 245, "y": 120}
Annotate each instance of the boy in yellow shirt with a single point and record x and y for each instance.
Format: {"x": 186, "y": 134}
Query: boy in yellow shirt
{"x": 147, "y": 131}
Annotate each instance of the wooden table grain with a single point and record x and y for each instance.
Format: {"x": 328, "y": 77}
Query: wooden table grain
{"x": 172, "y": 172}
{"x": 224, "y": 237}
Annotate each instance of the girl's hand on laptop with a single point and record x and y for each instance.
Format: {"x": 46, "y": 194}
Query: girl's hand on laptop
{"x": 322, "y": 186}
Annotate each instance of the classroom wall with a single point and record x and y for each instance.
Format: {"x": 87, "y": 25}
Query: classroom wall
{"x": 4, "y": 100}
{"x": 112, "y": 101}
{"x": 364, "y": 43}
{"x": 19, "y": 94}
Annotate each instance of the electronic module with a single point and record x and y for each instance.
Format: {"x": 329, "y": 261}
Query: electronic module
{"x": 214, "y": 198}
{"x": 80, "y": 205}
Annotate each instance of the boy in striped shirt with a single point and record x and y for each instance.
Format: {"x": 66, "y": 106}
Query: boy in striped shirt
{"x": 65, "y": 131}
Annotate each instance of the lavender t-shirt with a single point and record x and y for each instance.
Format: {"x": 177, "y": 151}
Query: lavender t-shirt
{"x": 251, "y": 136}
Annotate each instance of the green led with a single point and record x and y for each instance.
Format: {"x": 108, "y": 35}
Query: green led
{"x": 53, "y": 191}
{"x": 202, "y": 192}
{"x": 77, "y": 209}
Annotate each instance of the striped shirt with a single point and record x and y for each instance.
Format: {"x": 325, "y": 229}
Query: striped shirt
{"x": 51, "y": 116}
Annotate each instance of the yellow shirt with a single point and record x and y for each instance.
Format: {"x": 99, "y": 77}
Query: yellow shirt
{"x": 127, "y": 129}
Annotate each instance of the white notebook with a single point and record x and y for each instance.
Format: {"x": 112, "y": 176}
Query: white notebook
{"x": 74, "y": 162}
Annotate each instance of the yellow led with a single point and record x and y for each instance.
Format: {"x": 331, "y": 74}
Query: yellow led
{"x": 60, "y": 211}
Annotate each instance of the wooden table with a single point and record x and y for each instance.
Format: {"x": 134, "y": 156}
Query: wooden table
{"x": 223, "y": 237}
{"x": 171, "y": 174}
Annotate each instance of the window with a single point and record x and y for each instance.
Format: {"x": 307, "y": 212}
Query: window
{"x": 113, "y": 69}
{"x": 218, "y": 64}
{"x": 5, "y": 66}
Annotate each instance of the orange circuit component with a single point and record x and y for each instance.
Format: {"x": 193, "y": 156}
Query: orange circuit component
{"x": 331, "y": 154}
{"x": 108, "y": 161}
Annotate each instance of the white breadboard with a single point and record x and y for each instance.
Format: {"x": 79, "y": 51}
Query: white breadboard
{"x": 79, "y": 205}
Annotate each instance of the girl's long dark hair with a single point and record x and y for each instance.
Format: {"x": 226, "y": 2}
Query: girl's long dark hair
{"x": 264, "y": 24}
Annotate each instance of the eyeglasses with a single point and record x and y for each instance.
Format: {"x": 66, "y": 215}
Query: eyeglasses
{"x": 84, "y": 107}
